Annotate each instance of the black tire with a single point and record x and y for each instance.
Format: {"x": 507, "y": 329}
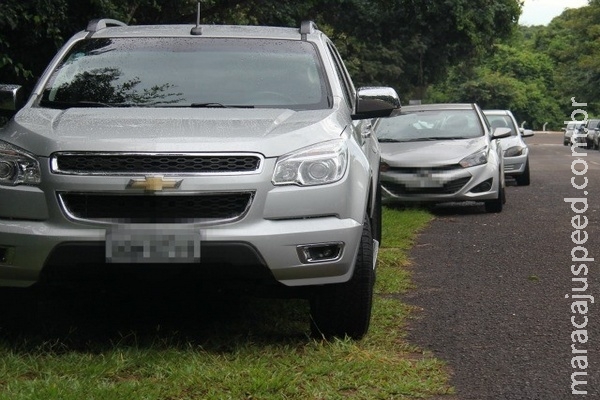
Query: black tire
{"x": 344, "y": 309}
{"x": 376, "y": 220}
{"x": 524, "y": 179}
{"x": 496, "y": 205}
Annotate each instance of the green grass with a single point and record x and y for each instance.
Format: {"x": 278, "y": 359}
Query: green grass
{"x": 257, "y": 349}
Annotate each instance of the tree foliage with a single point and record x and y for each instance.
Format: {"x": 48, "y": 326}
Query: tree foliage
{"x": 536, "y": 72}
{"x": 407, "y": 44}
{"x": 572, "y": 41}
{"x": 510, "y": 77}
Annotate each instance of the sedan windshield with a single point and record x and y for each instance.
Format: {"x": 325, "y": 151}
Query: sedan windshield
{"x": 574, "y": 125}
{"x": 502, "y": 121}
{"x": 188, "y": 72}
{"x": 430, "y": 125}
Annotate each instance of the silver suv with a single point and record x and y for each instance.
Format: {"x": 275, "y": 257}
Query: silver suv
{"x": 197, "y": 152}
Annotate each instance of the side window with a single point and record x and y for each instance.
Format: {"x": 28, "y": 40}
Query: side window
{"x": 343, "y": 76}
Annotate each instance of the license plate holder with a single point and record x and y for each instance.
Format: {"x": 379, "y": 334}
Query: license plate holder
{"x": 143, "y": 245}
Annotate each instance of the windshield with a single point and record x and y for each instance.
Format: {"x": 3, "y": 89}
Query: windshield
{"x": 188, "y": 72}
{"x": 502, "y": 121}
{"x": 430, "y": 125}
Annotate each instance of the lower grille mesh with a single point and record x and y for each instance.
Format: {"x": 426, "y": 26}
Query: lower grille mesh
{"x": 450, "y": 187}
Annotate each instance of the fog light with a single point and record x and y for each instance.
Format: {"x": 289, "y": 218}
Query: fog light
{"x": 320, "y": 252}
{"x": 6, "y": 255}
{"x": 484, "y": 186}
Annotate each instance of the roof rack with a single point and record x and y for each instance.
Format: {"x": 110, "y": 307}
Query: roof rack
{"x": 96, "y": 24}
{"x": 307, "y": 27}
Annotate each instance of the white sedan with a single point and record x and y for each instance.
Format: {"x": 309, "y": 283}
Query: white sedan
{"x": 441, "y": 153}
{"x": 516, "y": 152}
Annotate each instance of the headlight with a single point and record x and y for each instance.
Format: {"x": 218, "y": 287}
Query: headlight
{"x": 18, "y": 166}
{"x": 477, "y": 158}
{"x": 514, "y": 151}
{"x": 315, "y": 165}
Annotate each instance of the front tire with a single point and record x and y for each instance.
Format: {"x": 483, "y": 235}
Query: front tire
{"x": 376, "y": 221}
{"x": 524, "y": 179}
{"x": 344, "y": 309}
{"x": 496, "y": 205}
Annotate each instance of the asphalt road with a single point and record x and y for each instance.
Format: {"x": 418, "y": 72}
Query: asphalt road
{"x": 491, "y": 287}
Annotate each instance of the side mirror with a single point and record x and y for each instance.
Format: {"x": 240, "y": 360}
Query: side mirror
{"x": 11, "y": 99}
{"x": 500, "y": 133}
{"x": 375, "y": 102}
{"x": 527, "y": 132}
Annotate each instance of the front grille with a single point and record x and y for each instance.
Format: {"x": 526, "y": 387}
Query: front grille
{"x": 210, "y": 208}
{"x": 419, "y": 170}
{"x": 118, "y": 163}
{"x": 449, "y": 187}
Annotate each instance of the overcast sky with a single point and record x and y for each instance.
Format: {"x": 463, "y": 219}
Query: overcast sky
{"x": 541, "y": 12}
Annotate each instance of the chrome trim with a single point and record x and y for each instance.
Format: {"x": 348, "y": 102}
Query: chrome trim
{"x": 306, "y": 260}
{"x": 201, "y": 222}
{"x": 55, "y": 170}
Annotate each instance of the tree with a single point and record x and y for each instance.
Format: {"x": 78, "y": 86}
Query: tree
{"x": 512, "y": 77}
{"x": 406, "y": 44}
{"x": 572, "y": 42}
{"x": 27, "y": 34}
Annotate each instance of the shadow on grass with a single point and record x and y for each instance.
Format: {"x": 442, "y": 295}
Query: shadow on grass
{"x": 96, "y": 320}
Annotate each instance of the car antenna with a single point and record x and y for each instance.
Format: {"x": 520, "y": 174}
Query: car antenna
{"x": 197, "y": 30}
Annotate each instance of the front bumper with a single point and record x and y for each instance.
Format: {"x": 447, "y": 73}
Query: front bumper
{"x": 478, "y": 183}
{"x": 515, "y": 165}
{"x": 38, "y": 235}
{"x": 36, "y": 249}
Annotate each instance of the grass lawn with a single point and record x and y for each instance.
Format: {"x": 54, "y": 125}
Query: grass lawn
{"x": 103, "y": 348}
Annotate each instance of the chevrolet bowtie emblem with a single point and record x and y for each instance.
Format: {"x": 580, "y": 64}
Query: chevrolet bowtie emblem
{"x": 154, "y": 183}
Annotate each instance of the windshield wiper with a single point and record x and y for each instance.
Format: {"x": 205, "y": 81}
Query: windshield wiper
{"x": 389, "y": 140}
{"x": 217, "y": 105}
{"x": 425, "y": 139}
{"x": 63, "y": 105}
{"x": 436, "y": 138}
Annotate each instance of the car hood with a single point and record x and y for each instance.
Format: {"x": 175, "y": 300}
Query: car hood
{"x": 271, "y": 132}
{"x": 430, "y": 153}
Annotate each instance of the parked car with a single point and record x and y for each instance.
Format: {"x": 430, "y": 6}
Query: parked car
{"x": 570, "y": 129}
{"x": 592, "y": 126}
{"x": 438, "y": 153}
{"x": 515, "y": 150}
{"x": 206, "y": 153}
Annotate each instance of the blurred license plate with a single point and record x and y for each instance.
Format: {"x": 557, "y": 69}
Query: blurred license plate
{"x": 425, "y": 182}
{"x": 152, "y": 245}
{"x": 430, "y": 183}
